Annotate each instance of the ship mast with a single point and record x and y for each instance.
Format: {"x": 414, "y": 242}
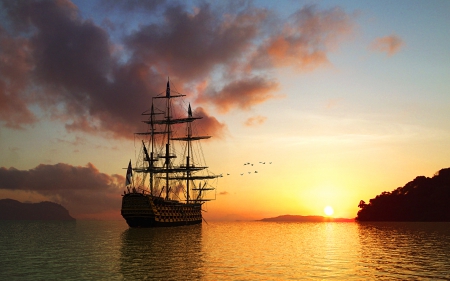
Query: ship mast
{"x": 167, "y": 155}
{"x": 188, "y": 170}
{"x": 168, "y": 121}
{"x": 152, "y": 144}
{"x": 168, "y": 170}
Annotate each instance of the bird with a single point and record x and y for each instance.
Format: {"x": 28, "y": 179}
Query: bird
{"x": 256, "y": 172}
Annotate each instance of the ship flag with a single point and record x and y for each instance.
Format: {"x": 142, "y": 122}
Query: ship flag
{"x": 129, "y": 174}
{"x": 189, "y": 110}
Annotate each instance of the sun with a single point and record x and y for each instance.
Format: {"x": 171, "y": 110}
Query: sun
{"x": 328, "y": 210}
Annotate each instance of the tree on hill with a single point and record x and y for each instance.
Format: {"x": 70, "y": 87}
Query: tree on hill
{"x": 423, "y": 199}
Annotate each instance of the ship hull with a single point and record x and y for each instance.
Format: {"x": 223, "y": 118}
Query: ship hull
{"x": 142, "y": 210}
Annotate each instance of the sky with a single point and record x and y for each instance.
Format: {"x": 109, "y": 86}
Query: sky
{"x": 346, "y": 99}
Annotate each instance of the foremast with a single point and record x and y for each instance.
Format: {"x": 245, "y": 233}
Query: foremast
{"x": 167, "y": 170}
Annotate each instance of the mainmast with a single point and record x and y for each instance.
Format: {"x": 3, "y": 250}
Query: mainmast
{"x": 183, "y": 171}
{"x": 167, "y": 158}
{"x": 168, "y": 121}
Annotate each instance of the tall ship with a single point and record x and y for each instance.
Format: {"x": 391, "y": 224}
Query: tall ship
{"x": 170, "y": 182}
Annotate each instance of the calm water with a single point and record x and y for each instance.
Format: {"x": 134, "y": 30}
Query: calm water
{"x": 109, "y": 250}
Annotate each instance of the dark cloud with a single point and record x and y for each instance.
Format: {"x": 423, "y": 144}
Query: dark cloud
{"x": 132, "y": 5}
{"x": 84, "y": 191}
{"x": 71, "y": 69}
{"x": 191, "y": 45}
{"x": 15, "y": 64}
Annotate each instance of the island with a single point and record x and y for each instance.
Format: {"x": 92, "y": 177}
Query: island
{"x": 298, "y": 218}
{"x": 422, "y": 200}
{"x": 14, "y": 210}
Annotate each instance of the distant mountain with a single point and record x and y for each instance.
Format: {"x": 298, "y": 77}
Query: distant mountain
{"x": 14, "y": 210}
{"x": 297, "y": 218}
{"x": 423, "y": 199}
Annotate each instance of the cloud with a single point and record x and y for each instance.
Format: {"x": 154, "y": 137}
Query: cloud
{"x": 224, "y": 193}
{"x": 99, "y": 79}
{"x": 389, "y": 44}
{"x": 78, "y": 141}
{"x": 210, "y": 125}
{"x": 84, "y": 191}
{"x": 131, "y": 5}
{"x": 305, "y": 39}
{"x": 254, "y": 121}
{"x": 191, "y": 44}
{"x": 15, "y": 64}
{"x": 333, "y": 103}
{"x": 241, "y": 94}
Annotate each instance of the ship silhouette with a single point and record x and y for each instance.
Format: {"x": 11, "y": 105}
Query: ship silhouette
{"x": 173, "y": 182}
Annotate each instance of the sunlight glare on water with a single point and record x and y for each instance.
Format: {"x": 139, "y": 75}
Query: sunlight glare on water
{"x": 258, "y": 251}
{"x": 99, "y": 250}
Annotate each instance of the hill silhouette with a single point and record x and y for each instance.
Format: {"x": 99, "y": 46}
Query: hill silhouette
{"x": 14, "y": 210}
{"x": 423, "y": 199}
{"x": 298, "y": 218}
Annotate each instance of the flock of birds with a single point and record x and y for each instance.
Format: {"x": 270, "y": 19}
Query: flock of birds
{"x": 248, "y": 164}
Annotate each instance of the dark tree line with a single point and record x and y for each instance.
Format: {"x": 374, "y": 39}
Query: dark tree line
{"x": 423, "y": 199}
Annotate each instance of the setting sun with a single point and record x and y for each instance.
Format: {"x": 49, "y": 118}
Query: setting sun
{"x": 328, "y": 210}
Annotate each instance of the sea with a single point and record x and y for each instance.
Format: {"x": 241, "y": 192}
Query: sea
{"x": 253, "y": 250}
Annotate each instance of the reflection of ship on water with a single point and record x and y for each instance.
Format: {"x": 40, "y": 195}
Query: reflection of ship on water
{"x": 162, "y": 253}
{"x": 172, "y": 158}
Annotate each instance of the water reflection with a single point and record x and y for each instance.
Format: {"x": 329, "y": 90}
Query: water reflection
{"x": 393, "y": 250}
{"x": 162, "y": 253}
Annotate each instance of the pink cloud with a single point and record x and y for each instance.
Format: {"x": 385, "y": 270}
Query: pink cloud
{"x": 389, "y": 44}
{"x": 305, "y": 39}
{"x": 242, "y": 94}
{"x": 209, "y": 124}
{"x": 255, "y": 121}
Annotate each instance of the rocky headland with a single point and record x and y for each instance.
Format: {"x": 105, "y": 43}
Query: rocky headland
{"x": 14, "y": 210}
